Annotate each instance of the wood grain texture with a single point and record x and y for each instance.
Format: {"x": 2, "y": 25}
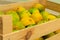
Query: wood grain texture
{"x": 19, "y": 35}
{"x": 53, "y": 6}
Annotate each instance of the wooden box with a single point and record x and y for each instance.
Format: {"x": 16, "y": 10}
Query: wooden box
{"x": 28, "y": 33}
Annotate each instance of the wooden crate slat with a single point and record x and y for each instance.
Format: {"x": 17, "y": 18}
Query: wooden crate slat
{"x": 45, "y": 29}
{"x": 27, "y": 5}
{"x": 56, "y": 37}
{"x": 37, "y": 31}
{"x": 19, "y": 35}
{"x": 6, "y": 24}
{"x": 44, "y": 2}
{"x": 53, "y": 6}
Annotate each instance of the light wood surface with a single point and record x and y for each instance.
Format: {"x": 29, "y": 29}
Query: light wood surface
{"x": 45, "y": 29}
{"x": 6, "y": 24}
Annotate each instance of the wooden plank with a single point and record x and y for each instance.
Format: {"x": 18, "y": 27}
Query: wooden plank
{"x": 27, "y": 5}
{"x": 6, "y": 24}
{"x": 35, "y": 32}
{"x": 44, "y": 29}
{"x": 56, "y": 37}
{"x": 53, "y": 6}
{"x": 19, "y": 35}
{"x": 55, "y": 1}
{"x": 44, "y": 2}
